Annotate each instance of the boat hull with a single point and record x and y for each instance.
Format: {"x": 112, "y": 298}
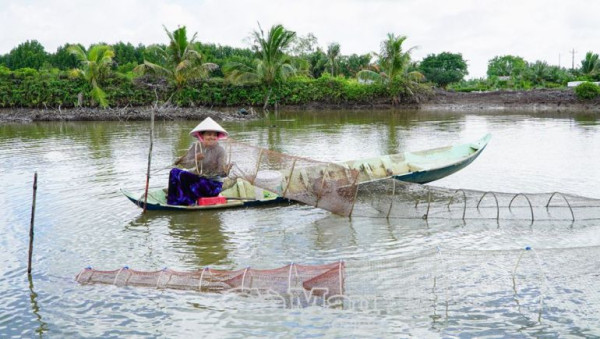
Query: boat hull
{"x": 471, "y": 152}
{"x": 240, "y": 194}
{"x": 423, "y": 177}
{"x": 419, "y": 167}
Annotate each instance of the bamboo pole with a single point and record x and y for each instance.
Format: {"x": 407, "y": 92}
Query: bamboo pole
{"x": 31, "y": 224}
{"x": 149, "y": 159}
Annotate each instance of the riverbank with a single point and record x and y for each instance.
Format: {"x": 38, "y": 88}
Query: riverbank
{"x": 542, "y": 100}
{"x": 539, "y": 100}
{"x": 123, "y": 114}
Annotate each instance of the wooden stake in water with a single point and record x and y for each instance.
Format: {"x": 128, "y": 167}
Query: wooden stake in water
{"x": 149, "y": 160}
{"x": 31, "y": 224}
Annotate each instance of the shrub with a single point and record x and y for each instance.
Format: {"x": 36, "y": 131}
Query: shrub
{"x": 587, "y": 90}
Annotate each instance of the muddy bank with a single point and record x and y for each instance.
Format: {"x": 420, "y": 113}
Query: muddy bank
{"x": 544, "y": 100}
{"x": 123, "y": 114}
{"x": 541, "y": 100}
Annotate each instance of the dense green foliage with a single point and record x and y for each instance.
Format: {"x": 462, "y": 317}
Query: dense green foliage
{"x": 587, "y": 90}
{"x": 30, "y": 54}
{"x": 534, "y": 75}
{"x": 63, "y": 59}
{"x": 444, "y": 68}
{"x": 27, "y": 87}
{"x": 506, "y": 66}
{"x": 280, "y": 68}
{"x": 222, "y": 55}
{"x": 352, "y": 64}
{"x": 30, "y": 88}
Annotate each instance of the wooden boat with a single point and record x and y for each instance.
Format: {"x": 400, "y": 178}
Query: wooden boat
{"x": 417, "y": 167}
{"x": 240, "y": 194}
{"x": 422, "y": 166}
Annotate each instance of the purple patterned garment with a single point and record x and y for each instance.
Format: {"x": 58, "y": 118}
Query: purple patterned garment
{"x": 185, "y": 187}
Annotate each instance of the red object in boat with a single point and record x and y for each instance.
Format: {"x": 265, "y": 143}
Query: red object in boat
{"x": 204, "y": 201}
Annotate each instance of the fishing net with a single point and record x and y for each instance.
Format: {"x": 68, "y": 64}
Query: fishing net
{"x": 325, "y": 185}
{"x": 324, "y": 281}
{"x": 391, "y": 198}
{"x": 436, "y": 283}
{"x": 368, "y": 188}
{"x": 442, "y": 284}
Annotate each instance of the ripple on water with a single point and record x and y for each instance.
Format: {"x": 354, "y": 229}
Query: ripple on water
{"x": 417, "y": 278}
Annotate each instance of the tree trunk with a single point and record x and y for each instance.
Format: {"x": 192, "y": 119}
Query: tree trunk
{"x": 267, "y": 99}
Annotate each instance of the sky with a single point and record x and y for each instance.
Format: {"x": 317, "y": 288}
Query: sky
{"x": 547, "y": 30}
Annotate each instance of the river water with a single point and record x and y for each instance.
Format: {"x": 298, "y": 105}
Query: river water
{"x": 82, "y": 219}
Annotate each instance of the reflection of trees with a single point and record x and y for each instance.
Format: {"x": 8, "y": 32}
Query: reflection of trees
{"x": 584, "y": 119}
{"x": 94, "y": 134}
{"x": 274, "y": 139}
{"x": 197, "y": 233}
{"x": 201, "y": 232}
{"x": 99, "y": 140}
{"x": 334, "y": 235}
{"x": 183, "y": 140}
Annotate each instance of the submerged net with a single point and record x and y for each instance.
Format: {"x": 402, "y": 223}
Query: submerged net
{"x": 325, "y": 281}
{"x": 436, "y": 283}
{"x": 446, "y": 284}
{"x": 325, "y": 185}
{"x": 391, "y": 198}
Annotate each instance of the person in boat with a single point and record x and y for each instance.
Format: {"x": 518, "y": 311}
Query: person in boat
{"x": 205, "y": 166}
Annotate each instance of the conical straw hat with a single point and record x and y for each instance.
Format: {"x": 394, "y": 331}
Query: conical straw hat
{"x": 209, "y": 124}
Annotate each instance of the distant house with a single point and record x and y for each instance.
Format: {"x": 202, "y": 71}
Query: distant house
{"x": 577, "y": 83}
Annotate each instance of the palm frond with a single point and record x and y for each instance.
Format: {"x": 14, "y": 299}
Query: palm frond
{"x": 368, "y": 76}
{"x": 415, "y": 76}
{"x": 99, "y": 96}
{"x": 78, "y": 52}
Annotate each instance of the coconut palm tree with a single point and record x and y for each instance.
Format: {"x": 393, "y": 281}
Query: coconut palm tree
{"x": 538, "y": 72}
{"x": 591, "y": 64}
{"x": 393, "y": 61}
{"x": 179, "y": 62}
{"x": 393, "y": 67}
{"x": 333, "y": 54}
{"x": 271, "y": 67}
{"x": 95, "y": 65}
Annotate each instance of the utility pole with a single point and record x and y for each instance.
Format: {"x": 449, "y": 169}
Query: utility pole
{"x": 573, "y": 58}
{"x": 558, "y": 60}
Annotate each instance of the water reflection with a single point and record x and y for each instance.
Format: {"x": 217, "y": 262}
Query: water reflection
{"x": 35, "y": 308}
{"x": 84, "y": 220}
{"x": 197, "y": 233}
